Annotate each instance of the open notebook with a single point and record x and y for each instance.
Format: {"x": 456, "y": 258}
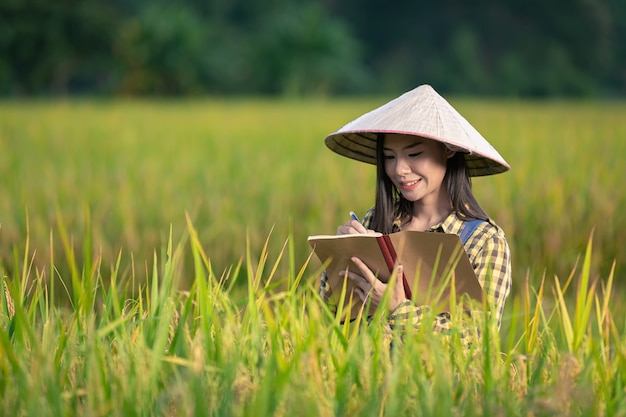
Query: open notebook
{"x": 437, "y": 271}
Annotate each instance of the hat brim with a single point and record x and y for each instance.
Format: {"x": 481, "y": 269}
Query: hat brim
{"x": 421, "y": 112}
{"x": 361, "y": 146}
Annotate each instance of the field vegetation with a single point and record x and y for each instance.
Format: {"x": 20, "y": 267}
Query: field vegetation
{"x": 157, "y": 254}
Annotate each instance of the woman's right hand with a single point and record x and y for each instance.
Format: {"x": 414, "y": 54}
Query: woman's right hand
{"x": 352, "y": 227}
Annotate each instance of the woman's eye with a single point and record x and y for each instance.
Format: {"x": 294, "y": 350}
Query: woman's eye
{"x": 389, "y": 157}
{"x": 413, "y": 155}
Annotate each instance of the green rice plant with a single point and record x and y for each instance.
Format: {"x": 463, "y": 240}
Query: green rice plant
{"x": 575, "y": 330}
{"x": 272, "y": 347}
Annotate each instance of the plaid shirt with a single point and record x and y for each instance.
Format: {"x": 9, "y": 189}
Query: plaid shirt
{"x": 489, "y": 255}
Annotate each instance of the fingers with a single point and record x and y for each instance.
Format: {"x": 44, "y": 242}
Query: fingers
{"x": 359, "y": 281}
{"x": 368, "y": 286}
{"x": 362, "y": 288}
{"x": 398, "y": 294}
{"x": 398, "y": 270}
{"x": 351, "y": 227}
{"x": 399, "y": 286}
{"x": 361, "y": 294}
{"x": 366, "y": 274}
{"x": 364, "y": 281}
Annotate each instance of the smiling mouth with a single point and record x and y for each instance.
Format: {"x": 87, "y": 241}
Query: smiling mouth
{"x": 409, "y": 184}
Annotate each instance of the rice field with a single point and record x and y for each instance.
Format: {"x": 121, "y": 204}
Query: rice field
{"x": 157, "y": 250}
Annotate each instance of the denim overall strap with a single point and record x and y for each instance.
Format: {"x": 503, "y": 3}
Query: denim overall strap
{"x": 468, "y": 229}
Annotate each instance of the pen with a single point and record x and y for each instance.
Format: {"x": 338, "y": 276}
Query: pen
{"x": 354, "y": 216}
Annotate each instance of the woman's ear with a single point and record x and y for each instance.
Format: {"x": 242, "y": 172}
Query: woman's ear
{"x": 450, "y": 153}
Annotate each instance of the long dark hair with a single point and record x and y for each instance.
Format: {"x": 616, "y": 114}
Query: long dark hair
{"x": 390, "y": 204}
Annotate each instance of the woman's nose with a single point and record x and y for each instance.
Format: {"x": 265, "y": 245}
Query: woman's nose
{"x": 402, "y": 167}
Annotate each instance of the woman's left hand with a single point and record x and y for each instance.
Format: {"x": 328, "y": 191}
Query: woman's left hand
{"x": 369, "y": 288}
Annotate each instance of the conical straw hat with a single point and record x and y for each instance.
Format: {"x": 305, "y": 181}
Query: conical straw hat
{"x": 420, "y": 112}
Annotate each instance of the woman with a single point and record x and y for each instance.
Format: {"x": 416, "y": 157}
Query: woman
{"x": 425, "y": 153}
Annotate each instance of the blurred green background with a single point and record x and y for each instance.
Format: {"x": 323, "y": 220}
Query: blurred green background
{"x": 299, "y": 47}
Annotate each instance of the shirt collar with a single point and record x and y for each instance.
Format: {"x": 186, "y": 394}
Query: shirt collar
{"x": 451, "y": 224}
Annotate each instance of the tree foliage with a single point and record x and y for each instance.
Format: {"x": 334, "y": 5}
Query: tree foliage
{"x": 512, "y": 47}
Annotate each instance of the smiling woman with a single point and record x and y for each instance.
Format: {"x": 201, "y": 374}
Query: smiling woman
{"x": 425, "y": 153}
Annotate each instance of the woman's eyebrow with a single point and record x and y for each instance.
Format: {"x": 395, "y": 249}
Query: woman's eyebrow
{"x": 414, "y": 144}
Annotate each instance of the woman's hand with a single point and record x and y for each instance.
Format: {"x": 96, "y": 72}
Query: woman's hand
{"x": 352, "y": 227}
{"x": 369, "y": 288}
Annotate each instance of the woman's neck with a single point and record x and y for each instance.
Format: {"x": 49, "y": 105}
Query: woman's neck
{"x": 426, "y": 216}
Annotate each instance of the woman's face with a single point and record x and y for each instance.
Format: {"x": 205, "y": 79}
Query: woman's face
{"x": 416, "y": 166}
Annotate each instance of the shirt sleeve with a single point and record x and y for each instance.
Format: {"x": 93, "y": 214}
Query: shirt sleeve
{"x": 367, "y": 218}
{"x": 490, "y": 257}
{"x": 407, "y": 314}
{"x": 324, "y": 289}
